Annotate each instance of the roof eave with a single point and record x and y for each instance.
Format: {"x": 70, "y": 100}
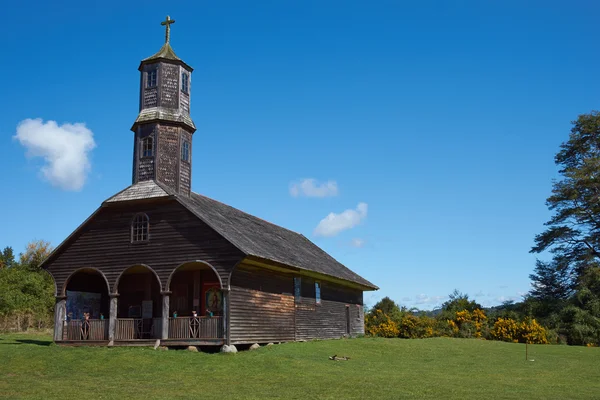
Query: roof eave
{"x": 265, "y": 262}
{"x": 165, "y": 60}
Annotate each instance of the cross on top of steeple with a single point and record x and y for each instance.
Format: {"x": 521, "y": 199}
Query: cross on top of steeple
{"x": 168, "y": 23}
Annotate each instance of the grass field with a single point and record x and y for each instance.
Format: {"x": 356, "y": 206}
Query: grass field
{"x": 32, "y": 367}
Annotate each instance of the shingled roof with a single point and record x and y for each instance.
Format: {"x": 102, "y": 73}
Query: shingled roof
{"x": 252, "y": 235}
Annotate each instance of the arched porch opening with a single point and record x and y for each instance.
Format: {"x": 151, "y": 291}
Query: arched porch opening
{"x": 139, "y": 306}
{"x": 196, "y": 302}
{"x": 87, "y": 305}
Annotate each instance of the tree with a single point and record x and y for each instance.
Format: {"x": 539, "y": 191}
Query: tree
{"x": 551, "y": 280}
{"x": 34, "y": 254}
{"x": 458, "y": 302}
{"x": 7, "y": 258}
{"x": 573, "y": 233}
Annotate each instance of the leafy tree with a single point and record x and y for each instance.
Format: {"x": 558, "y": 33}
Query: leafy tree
{"x": 34, "y": 254}
{"x": 7, "y": 258}
{"x": 573, "y": 233}
{"x": 458, "y": 302}
{"x": 551, "y": 280}
{"x": 389, "y": 308}
{"x": 26, "y": 292}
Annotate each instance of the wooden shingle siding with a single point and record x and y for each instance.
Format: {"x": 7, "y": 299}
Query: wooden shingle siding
{"x": 261, "y": 306}
{"x": 176, "y": 236}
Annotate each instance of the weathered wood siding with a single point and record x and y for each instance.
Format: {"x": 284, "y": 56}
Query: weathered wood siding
{"x": 145, "y": 165}
{"x": 328, "y": 319}
{"x": 176, "y": 236}
{"x": 185, "y": 173}
{"x": 261, "y": 306}
{"x": 168, "y": 155}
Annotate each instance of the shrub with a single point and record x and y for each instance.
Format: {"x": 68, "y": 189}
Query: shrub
{"x": 380, "y": 324}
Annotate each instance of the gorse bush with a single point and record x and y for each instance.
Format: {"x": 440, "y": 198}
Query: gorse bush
{"x": 454, "y": 322}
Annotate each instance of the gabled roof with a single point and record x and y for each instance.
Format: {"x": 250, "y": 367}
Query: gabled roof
{"x": 257, "y": 237}
{"x": 251, "y": 235}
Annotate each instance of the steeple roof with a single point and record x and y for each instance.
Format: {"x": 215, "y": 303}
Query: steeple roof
{"x": 165, "y": 52}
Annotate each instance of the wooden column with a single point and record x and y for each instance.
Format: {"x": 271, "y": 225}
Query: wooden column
{"x": 165, "y": 315}
{"x": 112, "y": 316}
{"x": 60, "y": 312}
{"x": 226, "y": 315}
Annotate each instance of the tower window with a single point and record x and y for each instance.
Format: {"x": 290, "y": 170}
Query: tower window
{"x": 148, "y": 146}
{"x": 185, "y": 151}
{"x": 151, "y": 78}
{"x": 185, "y": 84}
{"x": 140, "y": 227}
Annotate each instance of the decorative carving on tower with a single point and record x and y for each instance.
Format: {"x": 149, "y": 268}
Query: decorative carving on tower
{"x": 164, "y": 129}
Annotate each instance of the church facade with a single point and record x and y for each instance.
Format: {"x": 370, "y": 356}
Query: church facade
{"x": 157, "y": 261}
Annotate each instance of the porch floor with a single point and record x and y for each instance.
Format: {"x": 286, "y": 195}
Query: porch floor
{"x": 144, "y": 342}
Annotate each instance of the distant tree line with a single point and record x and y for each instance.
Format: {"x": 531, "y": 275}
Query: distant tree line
{"x": 26, "y": 291}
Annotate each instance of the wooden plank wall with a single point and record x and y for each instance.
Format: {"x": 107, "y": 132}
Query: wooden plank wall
{"x": 261, "y": 306}
{"x": 176, "y": 236}
{"x": 328, "y": 319}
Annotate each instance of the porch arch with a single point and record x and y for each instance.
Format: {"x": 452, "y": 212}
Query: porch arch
{"x": 53, "y": 281}
{"x": 189, "y": 264}
{"x": 87, "y": 270}
{"x": 128, "y": 270}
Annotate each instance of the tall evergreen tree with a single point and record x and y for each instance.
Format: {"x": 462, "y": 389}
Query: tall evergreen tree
{"x": 7, "y": 258}
{"x": 573, "y": 232}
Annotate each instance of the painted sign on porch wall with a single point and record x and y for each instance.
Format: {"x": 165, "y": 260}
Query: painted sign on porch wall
{"x": 80, "y": 302}
{"x": 212, "y": 299}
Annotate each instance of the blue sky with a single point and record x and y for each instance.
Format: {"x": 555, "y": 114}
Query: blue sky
{"x": 435, "y": 124}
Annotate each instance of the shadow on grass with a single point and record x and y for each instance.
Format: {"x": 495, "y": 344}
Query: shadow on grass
{"x": 32, "y": 341}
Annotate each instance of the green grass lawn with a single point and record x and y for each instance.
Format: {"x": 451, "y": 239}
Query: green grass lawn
{"x": 441, "y": 368}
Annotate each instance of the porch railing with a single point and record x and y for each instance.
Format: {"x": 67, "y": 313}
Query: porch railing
{"x": 91, "y": 329}
{"x": 137, "y": 328}
{"x": 196, "y": 328}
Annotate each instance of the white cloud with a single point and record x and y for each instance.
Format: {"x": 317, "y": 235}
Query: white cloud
{"x": 356, "y": 242}
{"x": 64, "y": 148}
{"x": 333, "y": 224}
{"x": 430, "y": 300}
{"x": 311, "y": 188}
{"x": 479, "y": 294}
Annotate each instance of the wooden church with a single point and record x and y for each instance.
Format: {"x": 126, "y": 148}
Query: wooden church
{"x": 157, "y": 261}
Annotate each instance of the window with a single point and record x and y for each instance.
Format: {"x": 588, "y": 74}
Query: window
{"x": 148, "y": 146}
{"x": 151, "y": 78}
{"x": 317, "y": 293}
{"x": 185, "y": 151}
{"x": 185, "y": 83}
{"x": 140, "y": 227}
{"x": 297, "y": 289}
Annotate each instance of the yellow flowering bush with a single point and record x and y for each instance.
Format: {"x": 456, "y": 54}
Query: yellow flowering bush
{"x": 530, "y": 331}
{"x": 381, "y": 325}
{"x": 505, "y": 329}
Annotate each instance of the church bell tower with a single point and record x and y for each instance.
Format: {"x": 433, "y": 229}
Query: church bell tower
{"x": 163, "y": 129}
